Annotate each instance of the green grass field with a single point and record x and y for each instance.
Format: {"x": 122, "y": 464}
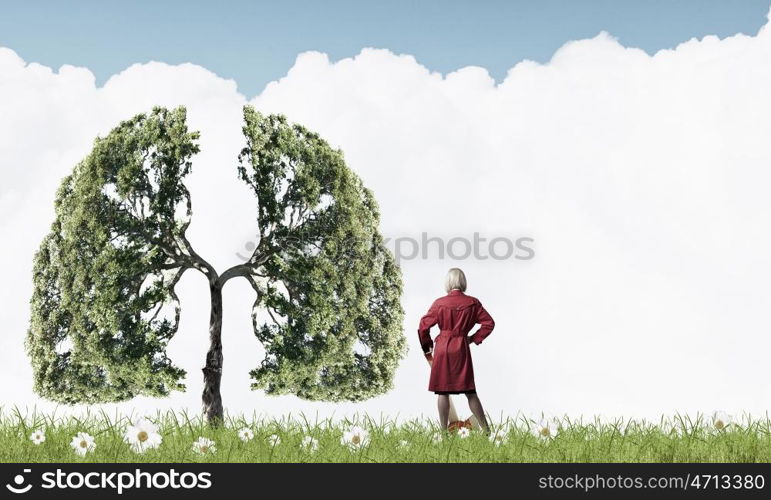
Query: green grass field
{"x": 676, "y": 439}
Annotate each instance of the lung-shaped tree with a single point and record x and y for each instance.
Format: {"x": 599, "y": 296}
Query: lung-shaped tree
{"x": 327, "y": 307}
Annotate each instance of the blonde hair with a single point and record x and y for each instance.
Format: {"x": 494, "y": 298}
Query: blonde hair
{"x": 455, "y": 279}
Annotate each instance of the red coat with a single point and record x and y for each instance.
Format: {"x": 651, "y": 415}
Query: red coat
{"x": 456, "y": 313}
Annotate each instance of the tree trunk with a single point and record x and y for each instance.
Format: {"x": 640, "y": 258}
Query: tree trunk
{"x": 212, "y": 372}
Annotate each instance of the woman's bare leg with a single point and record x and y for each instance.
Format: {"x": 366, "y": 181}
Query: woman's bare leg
{"x": 443, "y": 403}
{"x": 475, "y": 405}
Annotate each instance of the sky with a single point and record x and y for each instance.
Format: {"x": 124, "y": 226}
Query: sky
{"x": 255, "y": 42}
{"x": 641, "y": 177}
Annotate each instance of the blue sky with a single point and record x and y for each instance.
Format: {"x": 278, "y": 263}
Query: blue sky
{"x": 256, "y": 42}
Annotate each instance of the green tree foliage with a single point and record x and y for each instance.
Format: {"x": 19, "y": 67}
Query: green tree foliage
{"x": 104, "y": 276}
{"x": 328, "y": 271}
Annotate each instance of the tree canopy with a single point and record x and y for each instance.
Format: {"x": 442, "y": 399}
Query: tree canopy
{"x": 327, "y": 268}
{"x": 103, "y": 309}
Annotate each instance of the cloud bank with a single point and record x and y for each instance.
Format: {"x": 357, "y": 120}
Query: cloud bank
{"x": 642, "y": 179}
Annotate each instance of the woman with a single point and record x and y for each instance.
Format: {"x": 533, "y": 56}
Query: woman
{"x": 451, "y": 371}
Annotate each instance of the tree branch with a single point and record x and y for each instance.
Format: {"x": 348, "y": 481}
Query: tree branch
{"x": 256, "y": 288}
{"x": 244, "y": 270}
{"x": 199, "y": 262}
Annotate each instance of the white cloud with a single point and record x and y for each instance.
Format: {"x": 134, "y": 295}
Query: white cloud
{"x": 643, "y": 180}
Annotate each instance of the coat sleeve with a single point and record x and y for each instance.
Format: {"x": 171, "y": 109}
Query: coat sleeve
{"x": 426, "y": 322}
{"x": 487, "y": 323}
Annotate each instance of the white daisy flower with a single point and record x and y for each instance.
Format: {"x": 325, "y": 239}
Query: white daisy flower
{"x": 436, "y": 438}
{"x": 310, "y": 444}
{"x": 37, "y": 436}
{"x": 546, "y": 429}
{"x": 464, "y": 432}
{"x": 274, "y": 440}
{"x": 721, "y": 420}
{"x": 204, "y": 445}
{"x": 142, "y": 435}
{"x": 387, "y": 430}
{"x": 245, "y": 434}
{"x": 498, "y": 438}
{"x": 83, "y": 443}
{"x": 355, "y": 437}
